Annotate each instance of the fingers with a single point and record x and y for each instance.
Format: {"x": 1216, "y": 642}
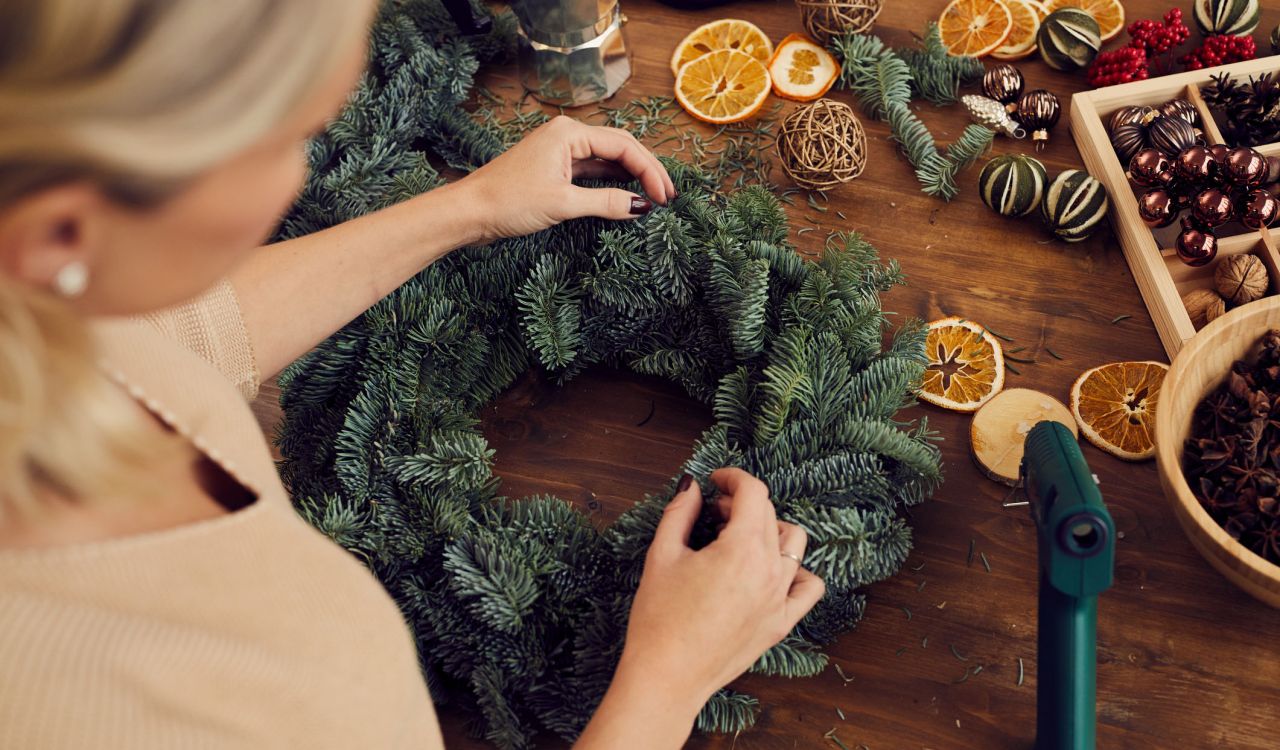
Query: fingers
{"x": 805, "y": 591}
{"x": 599, "y": 169}
{"x": 744, "y": 503}
{"x": 619, "y": 146}
{"x": 607, "y": 203}
{"x": 679, "y": 517}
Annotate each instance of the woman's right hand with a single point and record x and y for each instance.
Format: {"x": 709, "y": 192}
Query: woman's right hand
{"x": 701, "y": 618}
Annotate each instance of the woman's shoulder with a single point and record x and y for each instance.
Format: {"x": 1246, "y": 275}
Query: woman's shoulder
{"x": 253, "y": 619}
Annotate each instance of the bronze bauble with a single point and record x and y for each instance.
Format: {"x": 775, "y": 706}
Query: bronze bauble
{"x": 1260, "y": 209}
{"x": 1157, "y": 208}
{"x": 1180, "y": 108}
{"x": 1196, "y": 247}
{"x": 1212, "y": 208}
{"x": 1195, "y": 165}
{"x": 1170, "y": 135}
{"x": 1130, "y": 115}
{"x": 1128, "y": 139}
{"x": 1245, "y": 167}
{"x": 1004, "y": 84}
{"x": 1150, "y": 168}
{"x": 1038, "y": 111}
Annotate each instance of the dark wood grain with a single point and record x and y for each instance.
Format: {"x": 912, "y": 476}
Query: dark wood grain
{"x": 1185, "y": 659}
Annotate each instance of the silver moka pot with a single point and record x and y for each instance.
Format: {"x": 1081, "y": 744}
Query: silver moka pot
{"x": 572, "y": 52}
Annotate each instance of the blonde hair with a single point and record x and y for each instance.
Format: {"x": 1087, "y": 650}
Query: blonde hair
{"x": 140, "y": 97}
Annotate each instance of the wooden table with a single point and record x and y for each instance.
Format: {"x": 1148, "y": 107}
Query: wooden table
{"x": 1185, "y": 660}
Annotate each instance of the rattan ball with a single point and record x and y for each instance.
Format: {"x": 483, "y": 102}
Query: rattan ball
{"x": 826, "y": 19}
{"x": 822, "y": 145}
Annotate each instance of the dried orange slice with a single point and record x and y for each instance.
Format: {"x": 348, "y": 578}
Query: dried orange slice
{"x": 1021, "y": 41}
{"x": 966, "y": 365}
{"x": 802, "y": 70}
{"x": 723, "y": 86}
{"x": 1115, "y": 406}
{"x": 1108, "y": 13}
{"x": 975, "y": 27}
{"x": 727, "y": 33}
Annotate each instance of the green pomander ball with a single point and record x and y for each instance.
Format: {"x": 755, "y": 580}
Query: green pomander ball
{"x": 1012, "y": 184}
{"x": 1075, "y": 203}
{"x": 1230, "y": 17}
{"x": 1068, "y": 39}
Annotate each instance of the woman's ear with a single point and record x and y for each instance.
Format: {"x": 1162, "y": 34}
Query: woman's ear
{"x": 43, "y": 233}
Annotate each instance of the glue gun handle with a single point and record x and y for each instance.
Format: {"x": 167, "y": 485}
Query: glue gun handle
{"x": 1066, "y": 667}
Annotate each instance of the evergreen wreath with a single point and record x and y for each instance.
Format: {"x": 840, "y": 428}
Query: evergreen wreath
{"x": 519, "y": 607}
{"x": 884, "y": 80}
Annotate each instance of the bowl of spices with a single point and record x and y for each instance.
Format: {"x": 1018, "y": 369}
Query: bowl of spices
{"x": 1218, "y": 445}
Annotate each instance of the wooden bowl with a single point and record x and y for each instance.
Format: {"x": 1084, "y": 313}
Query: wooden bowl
{"x": 1201, "y": 365}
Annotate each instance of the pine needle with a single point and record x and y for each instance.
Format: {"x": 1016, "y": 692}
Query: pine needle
{"x": 1119, "y": 318}
{"x": 1052, "y": 353}
{"x": 985, "y": 564}
{"x": 956, "y": 653}
{"x": 1020, "y": 671}
{"x": 907, "y": 612}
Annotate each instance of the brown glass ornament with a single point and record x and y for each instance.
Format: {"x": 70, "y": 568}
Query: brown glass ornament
{"x": 1259, "y": 209}
{"x": 1150, "y": 168}
{"x": 1038, "y": 111}
{"x": 1195, "y": 164}
{"x": 1157, "y": 208}
{"x": 1180, "y": 108}
{"x": 1004, "y": 84}
{"x": 1128, "y": 139}
{"x": 1195, "y": 247}
{"x": 1245, "y": 167}
{"x": 1170, "y": 135}
{"x": 1131, "y": 115}
{"x": 1219, "y": 151}
{"x": 1212, "y": 208}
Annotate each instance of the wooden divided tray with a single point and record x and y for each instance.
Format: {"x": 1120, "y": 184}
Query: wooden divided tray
{"x": 1162, "y": 278}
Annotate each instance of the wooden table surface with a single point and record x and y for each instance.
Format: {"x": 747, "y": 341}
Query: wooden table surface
{"x": 1185, "y": 660}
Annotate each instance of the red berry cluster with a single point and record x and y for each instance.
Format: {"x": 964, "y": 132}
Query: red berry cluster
{"x": 1148, "y": 40}
{"x": 1118, "y": 66}
{"x": 1220, "y": 50}
{"x": 1158, "y": 38}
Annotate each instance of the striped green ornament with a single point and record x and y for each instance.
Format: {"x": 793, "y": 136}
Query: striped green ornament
{"x": 1012, "y": 184}
{"x": 1075, "y": 203}
{"x": 1230, "y": 17}
{"x": 1068, "y": 39}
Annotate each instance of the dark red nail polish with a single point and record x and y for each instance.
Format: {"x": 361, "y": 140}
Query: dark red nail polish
{"x": 640, "y": 206}
{"x": 686, "y": 482}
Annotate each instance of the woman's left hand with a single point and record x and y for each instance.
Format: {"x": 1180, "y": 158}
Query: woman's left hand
{"x": 530, "y": 187}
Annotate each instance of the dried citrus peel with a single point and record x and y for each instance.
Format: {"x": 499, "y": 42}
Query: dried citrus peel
{"x": 966, "y": 365}
{"x": 801, "y": 69}
{"x": 1115, "y": 407}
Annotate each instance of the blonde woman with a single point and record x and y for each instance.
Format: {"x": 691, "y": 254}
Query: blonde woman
{"x": 156, "y": 587}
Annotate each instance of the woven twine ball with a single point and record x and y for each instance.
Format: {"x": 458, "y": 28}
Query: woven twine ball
{"x": 822, "y": 145}
{"x": 1241, "y": 279}
{"x": 826, "y": 19}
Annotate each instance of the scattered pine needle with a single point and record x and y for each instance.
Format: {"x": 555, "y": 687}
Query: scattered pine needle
{"x": 1012, "y": 369}
{"x": 840, "y": 714}
{"x": 847, "y": 679}
{"x": 925, "y": 642}
{"x": 900, "y": 651}
{"x": 1011, "y": 358}
{"x": 963, "y": 677}
{"x": 985, "y": 564}
{"x": 1119, "y": 318}
{"x": 998, "y": 335}
{"x": 1052, "y": 353}
{"x": 832, "y": 736}
{"x": 841, "y": 215}
{"x": 1020, "y": 671}
{"x": 907, "y": 612}
{"x": 802, "y": 230}
{"x": 969, "y": 560}
{"x": 921, "y": 586}
{"x": 956, "y": 653}
{"x": 918, "y": 568}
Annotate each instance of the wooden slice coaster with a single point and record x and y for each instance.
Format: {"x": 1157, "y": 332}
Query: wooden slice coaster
{"x": 1000, "y": 428}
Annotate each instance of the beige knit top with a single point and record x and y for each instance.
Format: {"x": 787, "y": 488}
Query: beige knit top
{"x": 250, "y": 630}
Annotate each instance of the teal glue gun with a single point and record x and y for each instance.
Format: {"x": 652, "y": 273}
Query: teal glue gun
{"x": 1077, "y": 556}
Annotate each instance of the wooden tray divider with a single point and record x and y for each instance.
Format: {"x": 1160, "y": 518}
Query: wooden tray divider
{"x": 1208, "y": 125}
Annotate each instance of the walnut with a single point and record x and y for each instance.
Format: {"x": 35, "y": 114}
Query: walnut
{"x": 1241, "y": 279}
{"x": 1203, "y": 305}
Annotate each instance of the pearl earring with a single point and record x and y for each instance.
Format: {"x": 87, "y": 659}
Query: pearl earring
{"x": 72, "y": 279}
